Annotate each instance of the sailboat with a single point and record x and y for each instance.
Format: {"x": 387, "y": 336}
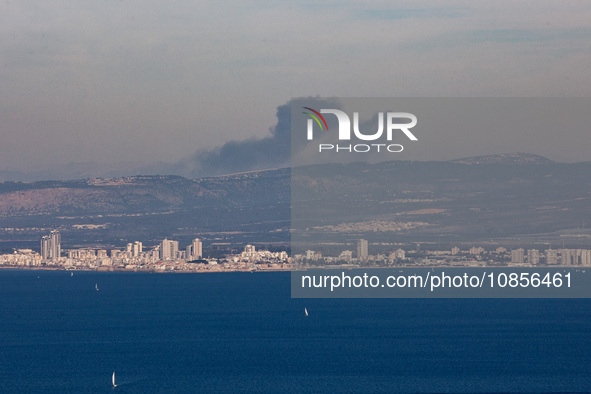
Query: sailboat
{"x": 306, "y": 311}
{"x": 71, "y": 274}
{"x": 96, "y": 286}
{"x": 114, "y": 385}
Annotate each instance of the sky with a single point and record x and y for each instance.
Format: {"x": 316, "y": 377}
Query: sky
{"x": 182, "y": 81}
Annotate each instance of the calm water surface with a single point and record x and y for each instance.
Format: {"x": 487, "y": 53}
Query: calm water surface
{"x": 241, "y": 332}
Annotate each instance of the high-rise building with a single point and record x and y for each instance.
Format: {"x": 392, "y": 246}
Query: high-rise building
{"x": 566, "y": 257}
{"x": 196, "y": 249}
{"x": 168, "y": 249}
{"x": 551, "y": 257}
{"x": 137, "y": 248}
{"x": 56, "y": 244}
{"x": 533, "y": 256}
{"x": 51, "y": 246}
{"x": 586, "y": 257}
{"x": 517, "y": 255}
{"x": 249, "y": 252}
{"x": 362, "y": 250}
{"x": 45, "y": 242}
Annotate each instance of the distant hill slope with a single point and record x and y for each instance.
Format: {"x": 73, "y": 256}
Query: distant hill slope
{"x": 472, "y": 198}
{"x": 139, "y": 194}
{"x": 506, "y": 158}
{"x": 500, "y": 196}
{"x": 116, "y": 210}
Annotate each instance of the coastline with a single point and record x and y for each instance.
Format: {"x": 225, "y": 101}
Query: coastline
{"x": 151, "y": 270}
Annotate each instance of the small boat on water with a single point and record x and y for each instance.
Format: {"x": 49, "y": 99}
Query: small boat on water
{"x": 96, "y": 286}
{"x": 306, "y": 311}
{"x": 114, "y": 384}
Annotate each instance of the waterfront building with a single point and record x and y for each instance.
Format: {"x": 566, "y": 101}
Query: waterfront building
{"x": 168, "y": 249}
{"x": 476, "y": 250}
{"x": 533, "y": 256}
{"x": 551, "y": 257}
{"x": 197, "y": 249}
{"x": 346, "y": 255}
{"x": 566, "y": 257}
{"x": 586, "y": 257}
{"x": 517, "y": 256}
{"x": 362, "y": 249}
{"x": 137, "y": 248}
{"x": 51, "y": 246}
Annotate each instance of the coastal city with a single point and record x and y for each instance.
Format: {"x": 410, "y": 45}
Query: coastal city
{"x": 475, "y": 256}
{"x": 168, "y": 256}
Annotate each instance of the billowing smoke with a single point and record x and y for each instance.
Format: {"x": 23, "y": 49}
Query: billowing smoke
{"x": 238, "y": 156}
{"x": 272, "y": 151}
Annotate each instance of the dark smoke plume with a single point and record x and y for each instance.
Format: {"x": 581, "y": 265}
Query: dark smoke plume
{"x": 273, "y": 151}
{"x": 239, "y": 156}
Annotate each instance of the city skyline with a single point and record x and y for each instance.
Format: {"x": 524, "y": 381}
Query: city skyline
{"x": 163, "y": 256}
{"x": 167, "y": 252}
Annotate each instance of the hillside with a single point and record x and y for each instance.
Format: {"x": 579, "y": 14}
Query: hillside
{"x": 499, "y": 196}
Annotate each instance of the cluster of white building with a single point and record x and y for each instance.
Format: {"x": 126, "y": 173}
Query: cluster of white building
{"x": 346, "y": 255}
{"x": 164, "y": 256}
{"x": 566, "y": 257}
{"x": 475, "y": 255}
{"x": 251, "y": 255}
{"x": 168, "y": 255}
{"x": 134, "y": 253}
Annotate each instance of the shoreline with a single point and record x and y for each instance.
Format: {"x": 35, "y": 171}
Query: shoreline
{"x": 150, "y": 271}
{"x": 272, "y": 269}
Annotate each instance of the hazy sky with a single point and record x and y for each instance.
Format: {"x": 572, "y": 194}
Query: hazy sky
{"x": 127, "y": 80}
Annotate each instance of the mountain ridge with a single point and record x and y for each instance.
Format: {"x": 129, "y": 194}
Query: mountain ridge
{"x": 86, "y": 170}
{"x": 505, "y": 158}
{"x": 506, "y": 196}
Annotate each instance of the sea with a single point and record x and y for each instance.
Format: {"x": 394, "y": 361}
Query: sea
{"x": 243, "y": 333}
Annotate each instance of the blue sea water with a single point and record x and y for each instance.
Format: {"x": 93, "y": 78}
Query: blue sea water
{"x": 241, "y": 332}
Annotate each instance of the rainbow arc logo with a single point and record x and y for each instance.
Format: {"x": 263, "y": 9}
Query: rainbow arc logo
{"x": 317, "y": 117}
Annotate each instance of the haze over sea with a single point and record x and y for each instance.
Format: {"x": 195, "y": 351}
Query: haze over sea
{"x": 241, "y": 332}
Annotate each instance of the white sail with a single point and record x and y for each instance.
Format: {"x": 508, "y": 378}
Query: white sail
{"x": 114, "y": 385}
{"x": 96, "y": 286}
{"x": 306, "y": 311}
